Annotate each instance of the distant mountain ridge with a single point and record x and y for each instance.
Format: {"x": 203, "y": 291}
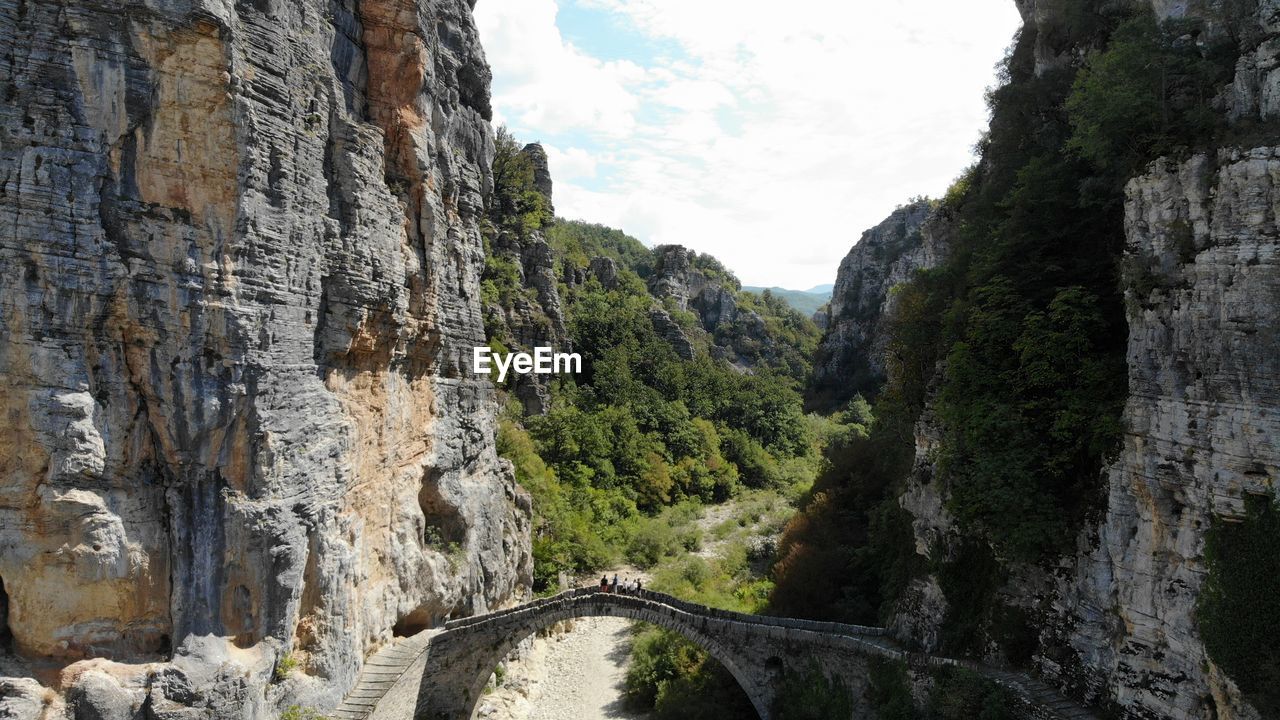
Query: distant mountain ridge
{"x": 806, "y": 301}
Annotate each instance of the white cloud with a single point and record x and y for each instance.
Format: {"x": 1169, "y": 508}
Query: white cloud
{"x": 552, "y": 84}
{"x": 779, "y": 135}
{"x": 571, "y": 163}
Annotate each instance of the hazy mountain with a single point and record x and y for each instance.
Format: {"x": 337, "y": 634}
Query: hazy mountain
{"x": 806, "y": 301}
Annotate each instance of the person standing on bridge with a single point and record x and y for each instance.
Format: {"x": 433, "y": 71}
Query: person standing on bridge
{"x": 615, "y": 582}
{"x": 604, "y": 583}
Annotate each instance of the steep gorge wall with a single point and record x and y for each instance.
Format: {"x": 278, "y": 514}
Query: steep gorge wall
{"x": 1202, "y": 419}
{"x": 242, "y": 257}
{"x": 1116, "y": 622}
{"x": 850, "y": 358}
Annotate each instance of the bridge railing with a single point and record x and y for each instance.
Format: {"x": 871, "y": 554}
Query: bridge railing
{"x": 830, "y": 628}
{"x": 542, "y": 602}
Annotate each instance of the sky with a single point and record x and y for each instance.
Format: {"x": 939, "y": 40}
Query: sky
{"x": 768, "y": 134}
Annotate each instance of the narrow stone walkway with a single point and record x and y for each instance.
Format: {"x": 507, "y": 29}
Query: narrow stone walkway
{"x": 380, "y": 673}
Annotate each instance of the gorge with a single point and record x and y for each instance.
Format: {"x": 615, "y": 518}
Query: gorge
{"x": 252, "y": 250}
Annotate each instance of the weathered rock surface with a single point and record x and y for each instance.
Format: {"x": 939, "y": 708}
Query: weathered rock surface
{"x": 1203, "y": 417}
{"x": 533, "y": 317}
{"x": 605, "y": 270}
{"x": 242, "y": 256}
{"x": 541, "y": 172}
{"x": 1116, "y": 622}
{"x": 676, "y": 275}
{"x": 699, "y": 284}
{"x": 671, "y": 331}
{"x": 851, "y": 356}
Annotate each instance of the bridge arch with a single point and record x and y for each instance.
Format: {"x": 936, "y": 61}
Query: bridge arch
{"x": 463, "y": 657}
{"x": 439, "y": 674}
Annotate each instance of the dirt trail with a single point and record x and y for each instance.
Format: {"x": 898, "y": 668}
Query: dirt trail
{"x": 579, "y": 675}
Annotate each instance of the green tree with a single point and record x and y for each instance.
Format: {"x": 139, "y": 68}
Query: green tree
{"x": 1149, "y": 91}
{"x": 515, "y": 203}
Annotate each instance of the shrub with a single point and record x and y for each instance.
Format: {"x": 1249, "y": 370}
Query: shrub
{"x": 298, "y": 712}
{"x": 1239, "y": 607}
{"x": 961, "y": 694}
{"x": 811, "y": 694}
{"x": 679, "y": 680}
{"x": 285, "y": 665}
{"x": 653, "y": 541}
{"x": 889, "y": 690}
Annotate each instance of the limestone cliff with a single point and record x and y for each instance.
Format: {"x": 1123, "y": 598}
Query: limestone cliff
{"x": 242, "y": 255}
{"x": 1115, "y": 621}
{"x": 850, "y": 357}
{"x": 1202, "y": 421}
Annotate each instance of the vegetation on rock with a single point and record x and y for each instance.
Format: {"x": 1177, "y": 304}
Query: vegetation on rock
{"x": 1239, "y": 608}
{"x": 1017, "y": 341}
{"x": 642, "y": 431}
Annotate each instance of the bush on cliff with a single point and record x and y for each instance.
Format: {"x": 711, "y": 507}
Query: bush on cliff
{"x": 1239, "y": 607}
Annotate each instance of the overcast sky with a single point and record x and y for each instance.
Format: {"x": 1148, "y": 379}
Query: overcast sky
{"x": 769, "y": 134}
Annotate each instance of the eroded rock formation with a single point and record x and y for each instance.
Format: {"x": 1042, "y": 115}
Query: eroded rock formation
{"x": 850, "y": 358}
{"x": 699, "y": 284}
{"x": 242, "y": 258}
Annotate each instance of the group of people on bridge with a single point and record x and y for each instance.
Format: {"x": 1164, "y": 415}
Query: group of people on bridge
{"x": 626, "y": 586}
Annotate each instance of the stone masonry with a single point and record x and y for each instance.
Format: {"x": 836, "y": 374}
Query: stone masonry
{"x": 441, "y": 673}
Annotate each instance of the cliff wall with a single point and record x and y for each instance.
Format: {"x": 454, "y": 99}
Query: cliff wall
{"x": 850, "y": 357}
{"x": 242, "y": 256}
{"x": 1116, "y": 622}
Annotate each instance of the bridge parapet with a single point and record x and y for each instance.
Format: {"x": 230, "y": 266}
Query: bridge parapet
{"x": 832, "y": 628}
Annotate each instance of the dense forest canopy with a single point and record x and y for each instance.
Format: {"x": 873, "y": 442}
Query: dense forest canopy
{"x": 641, "y": 429}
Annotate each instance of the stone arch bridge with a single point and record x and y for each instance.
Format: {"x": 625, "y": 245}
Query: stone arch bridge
{"x": 440, "y": 674}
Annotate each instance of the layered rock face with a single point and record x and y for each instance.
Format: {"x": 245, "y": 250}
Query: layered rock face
{"x": 850, "y": 358}
{"x": 534, "y": 318}
{"x": 1116, "y": 622}
{"x": 1203, "y": 417}
{"x": 242, "y": 261}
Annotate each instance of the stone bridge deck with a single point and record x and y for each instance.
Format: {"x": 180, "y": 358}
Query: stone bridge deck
{"x": 440, "y": 673}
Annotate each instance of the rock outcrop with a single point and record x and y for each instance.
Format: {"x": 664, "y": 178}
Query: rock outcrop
{"x": 604, "y": 270}
{"x": 533, "y": 313}
{"x": 533, "y": 316}
{"x": 851, "y": 356}
{"x": 699, "y": 284}
{"x": 541, "y": 172}
{"x": 669, "y": 330}
{"x": 242, "y": 258}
